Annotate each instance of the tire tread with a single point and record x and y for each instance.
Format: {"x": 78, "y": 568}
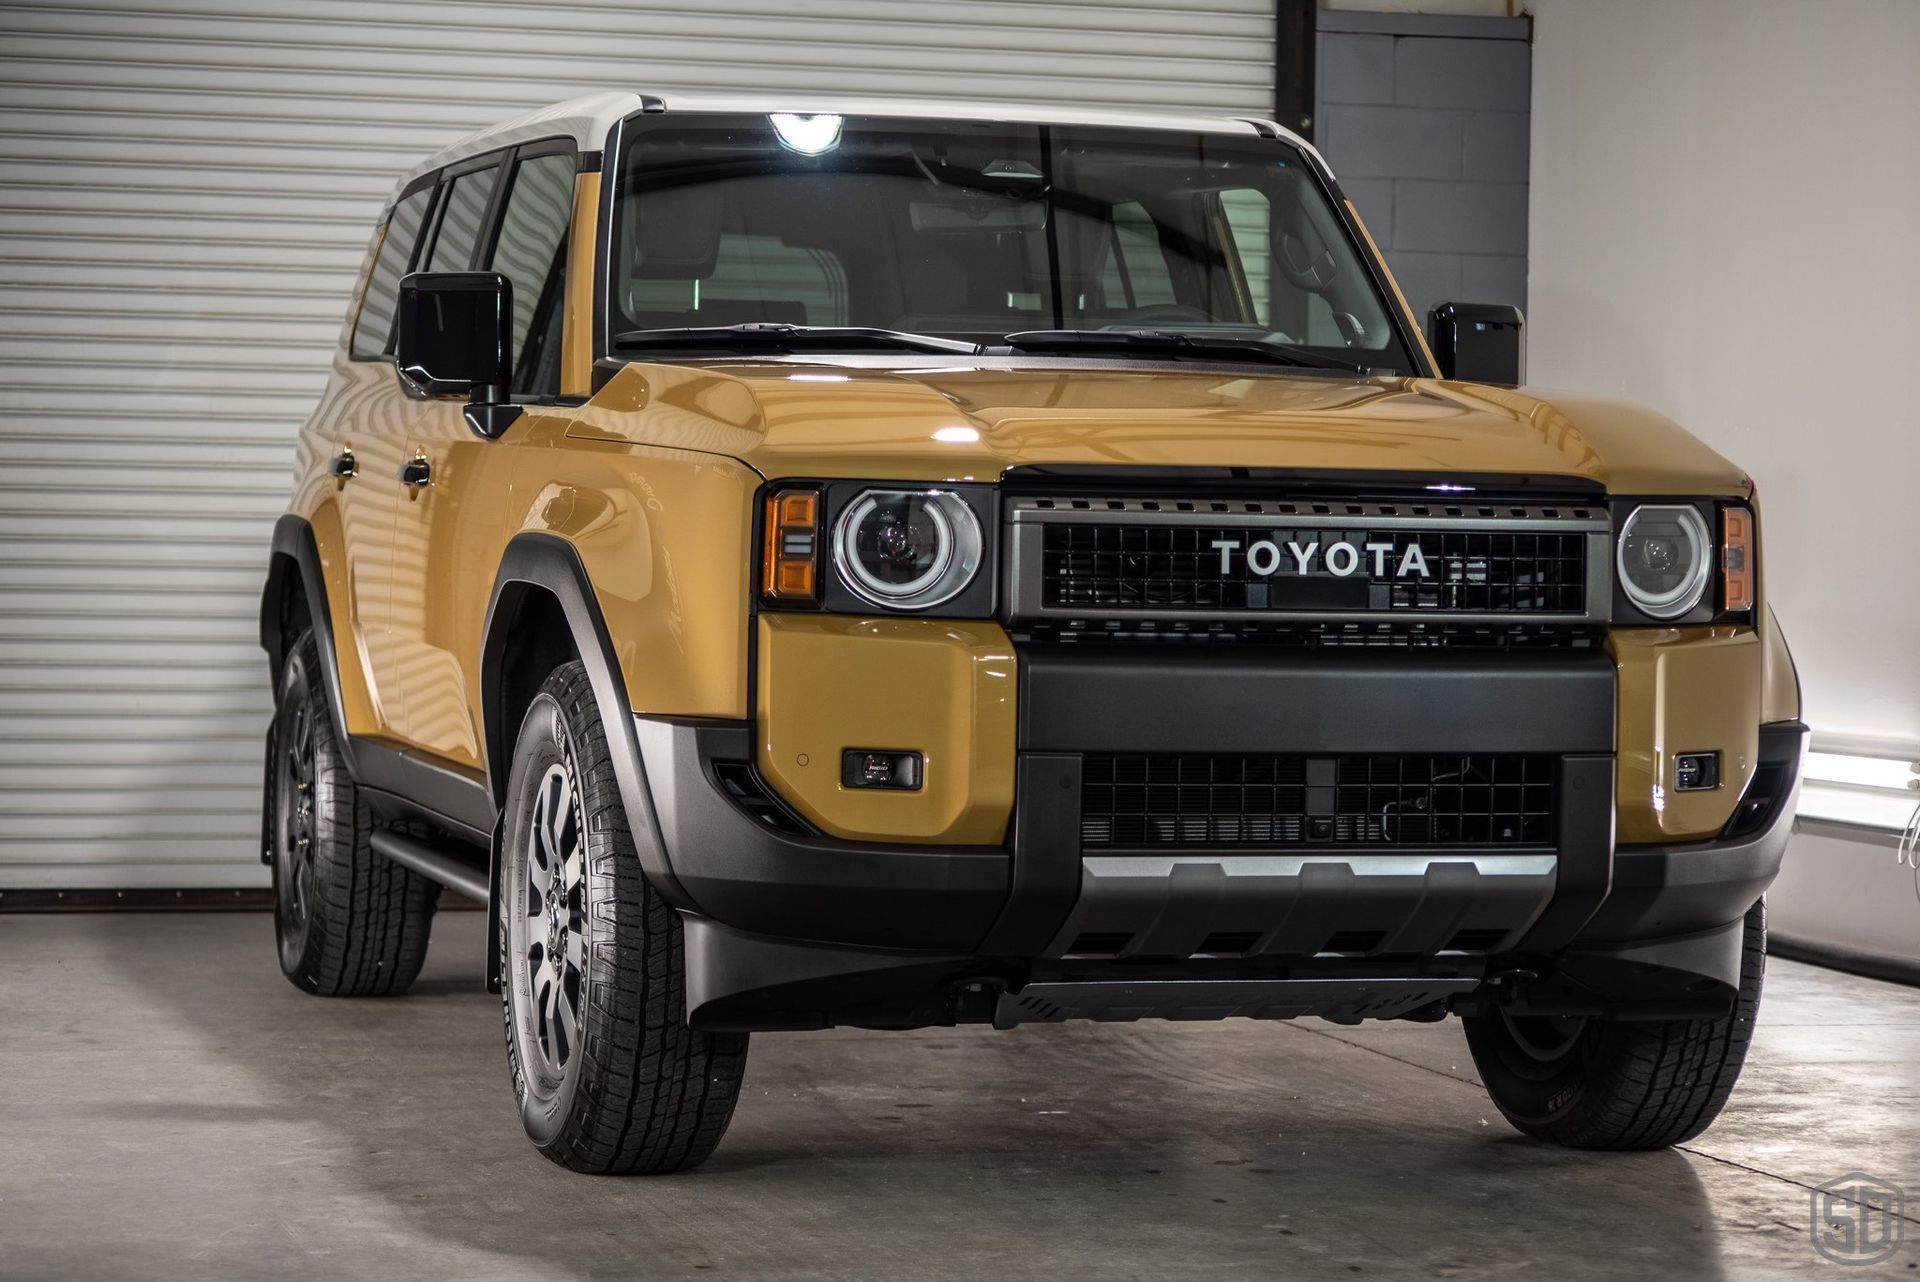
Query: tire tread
{"x": 655, "y": 1095}
{"x": 1651, "y": 1084}
{"x": 371, "y": 918}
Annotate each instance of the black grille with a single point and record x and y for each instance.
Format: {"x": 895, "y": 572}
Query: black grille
{"x": 1163, "y": 799}
{"x": 742, "y": 782}
{"x": 1368, "y": 634}
{"x": 1145, "y": 565}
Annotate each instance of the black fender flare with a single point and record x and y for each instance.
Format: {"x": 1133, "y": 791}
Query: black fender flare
{"x": 540, "y": 561}
{"x": 293, "y": 543}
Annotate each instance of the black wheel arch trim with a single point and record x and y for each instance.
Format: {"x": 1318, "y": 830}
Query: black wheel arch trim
{"x": 294, "y": 548}
{"x": 540, "y": 562}
{"x": 531, "y": 561}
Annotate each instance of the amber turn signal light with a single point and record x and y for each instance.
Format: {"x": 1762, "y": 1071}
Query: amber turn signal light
{"x": 1736, "y": 559}
{"x": 789, "y": 573}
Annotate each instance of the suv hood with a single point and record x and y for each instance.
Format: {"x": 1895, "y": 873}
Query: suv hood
{"x": 930, "y": 420}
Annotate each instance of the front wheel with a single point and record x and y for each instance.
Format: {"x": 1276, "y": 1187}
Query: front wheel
{"x": 1638, "y": 1084}
{"x": 608, "y": 1076}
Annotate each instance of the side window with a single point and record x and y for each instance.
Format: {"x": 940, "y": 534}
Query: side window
{"x": 532, "y": 253}
{"x": 1136, "y": 272}
{"x": 1249, "y": 217}
{"x": 462, "y": 214}
{"x": 1301, "y": 315}
{"x": 375, "y": 323}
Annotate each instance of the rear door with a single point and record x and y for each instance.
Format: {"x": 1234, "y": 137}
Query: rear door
{"x": 368, "y": 434}
{"x": 451, "y": 531}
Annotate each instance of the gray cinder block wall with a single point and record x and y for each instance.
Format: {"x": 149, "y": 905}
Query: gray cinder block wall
{"x": 1424, "y": 118}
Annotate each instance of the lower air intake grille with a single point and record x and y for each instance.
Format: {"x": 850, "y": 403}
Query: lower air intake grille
{"x": 1160, "y": 800}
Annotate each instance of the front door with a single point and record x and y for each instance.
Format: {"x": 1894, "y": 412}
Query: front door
{"x": 451, "y": 528}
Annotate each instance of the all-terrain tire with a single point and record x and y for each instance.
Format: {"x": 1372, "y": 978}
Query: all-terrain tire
{"x": 349, "y": 922}
{"x": 609, "y": 1078}
{"x": 1631, "y": 1084}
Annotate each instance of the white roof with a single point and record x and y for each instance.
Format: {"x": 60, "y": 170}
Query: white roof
{"x": 587, "y": 120}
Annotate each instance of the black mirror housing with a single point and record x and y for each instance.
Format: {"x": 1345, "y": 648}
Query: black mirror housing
{"x": 454, "y": 333}
{"x": 1479, "y": 342}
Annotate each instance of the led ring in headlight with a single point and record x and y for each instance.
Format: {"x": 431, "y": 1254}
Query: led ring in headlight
{"x": 1664, "y": 559}
{"x": 907, "y": 549}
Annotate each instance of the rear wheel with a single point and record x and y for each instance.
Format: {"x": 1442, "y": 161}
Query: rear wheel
{"x": 349, "y": 922}
{"x": 609, "y": 1078}
{"x": 1634, "y": 1084}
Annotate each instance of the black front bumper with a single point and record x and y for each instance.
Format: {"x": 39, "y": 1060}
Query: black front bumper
{"x": 792, "y": 929}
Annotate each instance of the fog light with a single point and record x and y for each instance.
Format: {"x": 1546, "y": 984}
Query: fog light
{"x": 878, "y": 768}
{"x": 1696, "y": 772}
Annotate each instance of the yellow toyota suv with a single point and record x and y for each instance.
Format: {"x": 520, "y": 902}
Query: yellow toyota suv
{"x": 897, "y": 564}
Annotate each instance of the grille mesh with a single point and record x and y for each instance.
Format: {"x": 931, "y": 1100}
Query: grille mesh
{"x": 1368, "y": 634}
{"x": 1169, "y": 800}
{"x": 1144, "y": 565}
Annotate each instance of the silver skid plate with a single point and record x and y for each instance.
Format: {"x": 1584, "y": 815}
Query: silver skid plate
{"x": 1342, "y": 1000}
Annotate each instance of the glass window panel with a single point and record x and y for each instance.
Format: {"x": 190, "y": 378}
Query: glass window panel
{"x": 531, "y": 253}
{"x": 974, "y": 230}
{"x": 461, "y": 215}
{"x": 374, "y": 327}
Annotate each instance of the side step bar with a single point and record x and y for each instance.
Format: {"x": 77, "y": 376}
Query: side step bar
{"x": 429, "y": 861}
{"x": 1344, "y": 1001}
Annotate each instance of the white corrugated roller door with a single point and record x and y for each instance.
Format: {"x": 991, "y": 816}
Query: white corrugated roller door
{"x": 185, "y": 191}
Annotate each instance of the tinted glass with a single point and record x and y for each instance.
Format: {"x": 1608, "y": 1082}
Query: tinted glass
{"x": 532, "y": 253}
{"x": 461, "y": 216}
{"x": 754, "y": 278}
{"x": 1249, "y": 216}
{"x": 1136, "y": 272}
{"x": 974, "y": 230}
{"x": 375, "y": 324}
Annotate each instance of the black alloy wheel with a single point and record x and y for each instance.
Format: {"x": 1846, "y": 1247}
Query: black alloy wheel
{"x": 293, "y": 835}
{"x": 348, "y": 922}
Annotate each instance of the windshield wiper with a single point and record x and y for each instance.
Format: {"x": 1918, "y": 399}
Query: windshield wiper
{"x": 1167, "y": 342}
{"x": 775, "y": 336}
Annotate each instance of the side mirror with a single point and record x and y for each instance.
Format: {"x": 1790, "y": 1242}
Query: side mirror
{"x": 1479, "y": 342}
{"x": 454, "y": 334}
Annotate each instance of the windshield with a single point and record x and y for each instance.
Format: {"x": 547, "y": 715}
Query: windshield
{"x": 977, "y": 230}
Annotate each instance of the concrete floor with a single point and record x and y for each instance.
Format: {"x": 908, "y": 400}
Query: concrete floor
{"x": 173, "y": 1108}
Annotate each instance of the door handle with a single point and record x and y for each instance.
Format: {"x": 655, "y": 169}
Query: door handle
{"x": 344, "y": 466}
{"x": 416, "y": 472}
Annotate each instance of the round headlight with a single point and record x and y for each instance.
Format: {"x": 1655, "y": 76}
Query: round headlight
{"x": 1665, "y": 559}
{"x": 907, "y": 549}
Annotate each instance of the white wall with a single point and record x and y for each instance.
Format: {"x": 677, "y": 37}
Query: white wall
{"x": 1724, "y": 219}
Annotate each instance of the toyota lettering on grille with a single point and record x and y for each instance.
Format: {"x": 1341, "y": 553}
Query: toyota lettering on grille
{"x": 1340, "y": 559}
